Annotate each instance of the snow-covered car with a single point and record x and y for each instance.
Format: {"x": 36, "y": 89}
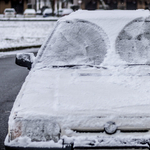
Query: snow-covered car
{"x": 47, "y": 12}
{"x": 88, "y": 87}
{"x": 29, "y": 13}
{"x": 63, "y": 12}
{"x": 9, "y": 13}
{"x": 39, "y": 12}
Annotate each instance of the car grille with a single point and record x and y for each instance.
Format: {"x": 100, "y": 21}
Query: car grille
{"x": 114, "y": 148}
{"x": 123, "y": 130}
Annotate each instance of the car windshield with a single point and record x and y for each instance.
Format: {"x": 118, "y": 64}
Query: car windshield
{"x": 9, "y": 10}
{"x": 77, "y": 46}
{"x": 133, "y": 42}
{"x": 80, "y": 42}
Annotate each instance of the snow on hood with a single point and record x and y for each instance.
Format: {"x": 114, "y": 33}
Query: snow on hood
{"x": 77, "y": 91}
{"x": 84, "y": 88}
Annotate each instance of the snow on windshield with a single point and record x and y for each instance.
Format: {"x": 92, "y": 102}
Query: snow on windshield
{"x": 97, "y": 38}
{"x": 75, "y": 42}
{"x": 133, "y": 42}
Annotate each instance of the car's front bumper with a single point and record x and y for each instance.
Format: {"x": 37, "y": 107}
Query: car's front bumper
{"x": 35, "y": 148}
{"x": 80, "y": 148}
{"x": 76, "y": 143}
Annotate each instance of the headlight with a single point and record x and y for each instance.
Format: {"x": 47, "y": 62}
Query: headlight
{"x": 37, "y": 130}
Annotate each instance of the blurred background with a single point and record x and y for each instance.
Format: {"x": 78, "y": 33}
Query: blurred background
{"x": 55, "y": 5}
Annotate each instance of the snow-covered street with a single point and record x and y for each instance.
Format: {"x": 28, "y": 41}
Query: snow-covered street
{"x": 24, "y": 33}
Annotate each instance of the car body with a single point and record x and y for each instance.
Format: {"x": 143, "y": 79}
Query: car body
{"x": 63, "y": 12}
{"x": 39, "y": 12}
{"x": 29, "y": 13}
{"x": 88, "y": 86}
{"x": 47, "y": 12}
{"x": 43, "y": 8}
{"x": 9, "y": 13}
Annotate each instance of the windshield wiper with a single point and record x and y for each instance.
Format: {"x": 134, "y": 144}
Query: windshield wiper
{"x": 66, "y": 66}
{"x": 138, "y": 64}
{"x": 71, "y": 66}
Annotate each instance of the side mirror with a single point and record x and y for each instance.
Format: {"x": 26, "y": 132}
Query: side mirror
{"x": 25, "y": 60}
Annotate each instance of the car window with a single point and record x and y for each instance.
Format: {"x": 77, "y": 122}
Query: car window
{"x": 133, "y": 42}
{"x": 9, "y": 10}
{"x": 75, "y": 42}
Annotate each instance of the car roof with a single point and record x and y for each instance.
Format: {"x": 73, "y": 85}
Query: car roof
{"x": 30, "y": 10}
{"x": 10, "y": 9}
{"x": 48, "y": 10}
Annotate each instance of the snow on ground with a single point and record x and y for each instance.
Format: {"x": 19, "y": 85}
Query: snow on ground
{"x": 13, "y": 53}
{"x": 20, "y": 16}
{"x": 24, "y": 33}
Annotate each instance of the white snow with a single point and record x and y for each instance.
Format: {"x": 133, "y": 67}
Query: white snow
{"x": 103, "y": 88}
{"x": 32, "y": 11}
{"x": 24, "y": 33}
{"x": 48, "y": 10}
{"x": 14, "y": 53}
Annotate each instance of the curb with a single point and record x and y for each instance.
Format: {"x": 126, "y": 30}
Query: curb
{"x": 27, "y": 19}
{"x": 18, "y": 48}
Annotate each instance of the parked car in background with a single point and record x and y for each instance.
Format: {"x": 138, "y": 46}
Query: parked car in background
{"x": 47, "y": 12}
{"x": 39, "y": 12}
{"x": 9, "y": 13}
{"x": 29, "y": 13}
{"x": 43, "y": 8}
{"x": 63, "y": 12}
{"x": 88, "y": 87}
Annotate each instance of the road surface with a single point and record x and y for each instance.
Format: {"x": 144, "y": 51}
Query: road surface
{"x": 11, "y": 80}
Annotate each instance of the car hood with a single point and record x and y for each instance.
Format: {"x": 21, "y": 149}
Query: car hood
{"x": 85, "y": 91}
{"x": 82, "y": 102}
